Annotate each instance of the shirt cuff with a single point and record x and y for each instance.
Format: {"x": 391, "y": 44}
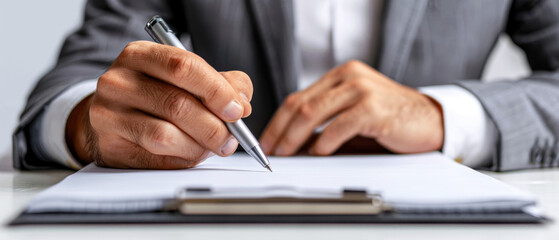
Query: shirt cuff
{"x": 53, "y": 123}
{"x": 469, "y": 134}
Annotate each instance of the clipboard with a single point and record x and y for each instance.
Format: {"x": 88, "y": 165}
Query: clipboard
{"x": 383, "y": 189}
{"x": 354, "y": 206}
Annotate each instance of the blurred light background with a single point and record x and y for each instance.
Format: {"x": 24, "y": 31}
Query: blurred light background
{"x": 33, "y": 30}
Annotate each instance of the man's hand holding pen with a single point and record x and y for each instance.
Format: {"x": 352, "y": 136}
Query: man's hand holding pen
{"x": 158, "y": 107}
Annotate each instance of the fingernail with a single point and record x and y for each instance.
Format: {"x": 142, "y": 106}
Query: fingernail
{"x": 245, "y": 97}
{"x": 233, "y": 111}
{"x": 229, "y": 146}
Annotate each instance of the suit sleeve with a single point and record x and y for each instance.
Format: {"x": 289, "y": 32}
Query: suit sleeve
{"x": 107, "y": 27}
{"x": 526, "y": 112}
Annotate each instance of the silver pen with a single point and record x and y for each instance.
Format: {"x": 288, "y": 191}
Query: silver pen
{"x": 158, "y": 29}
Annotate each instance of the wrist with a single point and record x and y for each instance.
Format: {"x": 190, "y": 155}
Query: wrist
{"x": 76, "y": 131}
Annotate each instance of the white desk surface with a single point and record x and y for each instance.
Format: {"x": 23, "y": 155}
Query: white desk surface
{"x": 17, "y": 188}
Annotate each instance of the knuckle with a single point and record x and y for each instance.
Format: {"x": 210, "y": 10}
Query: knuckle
{"x": 214, "y": 91}
{"x": 177, "y": 105}
{"x": 354, "y": 64}
{"x": 292, "y": 101}
{"x": 360, "y": 83}
{"x": 133, "y": 50}
{"x": 112, "y": 84}
{"x": 182, "y": 66}
{"x": 350, "y": 66}
{"x": 176, "y": 65}
{"x": 321, "y": 102}
{"x": 105, "y": 78}
{"x": 161, "y": 136}
{"x": 107, "y": 82}
{"x": 307, "y": 112}
{"x": 213, "y": 136}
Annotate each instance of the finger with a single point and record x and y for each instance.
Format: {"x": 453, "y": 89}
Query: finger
{"x": 325, "y": 82}
{"x": 314, "y": 113}
{"x": 137, "y": 157}
{"x": 157, "y": 136}
{"x": 116, "y": 151}
{"x": 185, "y": 70}
{"x": 284, "y": 115}
{"x": 335, "y": 76}
{"x": 341, "y": 130}
{"x": 279, "y": 121}
{"x": 241, "y": 82}
{"x": 178, "y": 107}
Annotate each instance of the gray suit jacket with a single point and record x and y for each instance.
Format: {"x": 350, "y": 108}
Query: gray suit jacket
{"x": 422, "y": 42}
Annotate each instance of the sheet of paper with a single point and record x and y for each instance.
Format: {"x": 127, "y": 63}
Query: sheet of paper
{"x": 417, "y": 181}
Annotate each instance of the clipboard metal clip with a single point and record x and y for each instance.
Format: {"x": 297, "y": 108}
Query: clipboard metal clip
{"x": 349, "y": 202}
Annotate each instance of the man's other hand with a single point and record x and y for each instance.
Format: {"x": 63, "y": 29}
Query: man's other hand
{"x": 361, "y": 102}
{"x": 158, "y": 107}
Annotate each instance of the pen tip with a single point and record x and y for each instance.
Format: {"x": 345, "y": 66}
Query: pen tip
{"x": 269, "y": 168}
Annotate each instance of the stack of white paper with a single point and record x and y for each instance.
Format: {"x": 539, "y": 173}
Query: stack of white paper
{"x": 418, "y": 182}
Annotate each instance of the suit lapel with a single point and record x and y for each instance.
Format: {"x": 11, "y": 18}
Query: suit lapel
{"x": 275, "y": 23}
{"x": 401, "y": 20}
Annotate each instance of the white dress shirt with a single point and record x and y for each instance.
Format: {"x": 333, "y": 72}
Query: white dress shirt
{"x": 332, "y": 32}
{"x": 329, "y": 33}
